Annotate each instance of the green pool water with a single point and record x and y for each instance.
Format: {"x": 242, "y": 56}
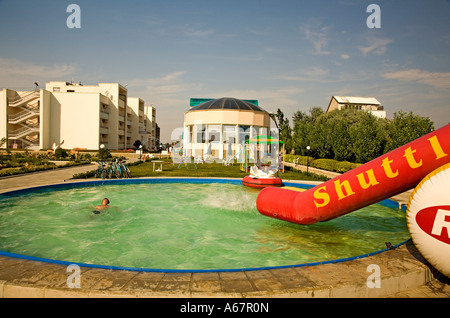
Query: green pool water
{"x": 182, "y": 226}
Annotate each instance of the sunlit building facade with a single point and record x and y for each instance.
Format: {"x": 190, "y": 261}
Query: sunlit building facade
{"x": 219, "y": 127}
{"x": 75, "y": 116}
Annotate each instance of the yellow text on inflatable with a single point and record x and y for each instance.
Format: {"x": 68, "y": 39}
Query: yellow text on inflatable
{"x": 387, "y": 168}
{"x": 343, "y": 188}
{"x": 409, "y": 155}
{"x": 318, "y": 194}
{"x": 437, "y": 147}
{"x": 344, "y": 185}
{"x": 372, "y": 180}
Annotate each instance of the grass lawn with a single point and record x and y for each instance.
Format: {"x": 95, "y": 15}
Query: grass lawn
{"x": 209, "y": 170}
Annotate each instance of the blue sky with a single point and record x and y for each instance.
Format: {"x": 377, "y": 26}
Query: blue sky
{"x": 288, "y": 54}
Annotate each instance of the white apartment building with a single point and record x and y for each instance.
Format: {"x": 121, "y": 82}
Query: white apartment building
{"x": 144, "y": 118}
{"x": 369, "y": 104}
{"x": 80, "y": 116}
{"x": 153, "y": 137}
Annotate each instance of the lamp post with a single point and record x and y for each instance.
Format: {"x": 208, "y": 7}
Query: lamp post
{"x": 101, "y": 154}
{"x": 140, "y": 152}
{"x": 307, "y": 159}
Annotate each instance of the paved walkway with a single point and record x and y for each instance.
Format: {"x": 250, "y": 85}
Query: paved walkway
{"x": 404, "y": 273}
{"x": 42, "y": 178}
{"x": 329, "y": 174}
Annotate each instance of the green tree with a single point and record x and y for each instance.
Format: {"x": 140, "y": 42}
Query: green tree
{"x": 104, "y": 154}
{"x": 285, "y": 130}
{"x": 407, "y": 127}
{"x": 301, "y": 132}
{"x": 339, "y": 137}
{"x": 320, "y": 138}
{"x": 368, "y": 137}
{"x": 354, "y": 135}
{"x": 305, "y": 134}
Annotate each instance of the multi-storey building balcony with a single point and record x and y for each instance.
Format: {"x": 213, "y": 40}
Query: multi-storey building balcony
{"x": 84, "y": 116}
{"x": 23, "y": 111}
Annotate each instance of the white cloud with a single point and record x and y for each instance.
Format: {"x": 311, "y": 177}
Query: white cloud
{"x": 377, "y": 46}
{"x": 316, "y": 73}
{"x": 17, "y": 74}
{"x": 197, "y": 32}
{"x": 169, "y": 94}
{"x": 435, "y": 79}
{"x": 166, "y": 85}
{"x": 317, "y": 35}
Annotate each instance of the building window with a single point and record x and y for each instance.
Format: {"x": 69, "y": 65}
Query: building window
{"x": 263, "y": 131}
{"x": 244, "y": 133}
{"x": 56, "y": 89}
{"x": 229, "y": 134}
{"x": 254, "y": 131}
{"x": 214, "y": 134}
{"x": 201, "y": 134}
{"x": 190, "y": 134}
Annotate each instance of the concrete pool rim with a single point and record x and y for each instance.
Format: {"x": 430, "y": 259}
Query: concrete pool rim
{"x": 79, "y": 184}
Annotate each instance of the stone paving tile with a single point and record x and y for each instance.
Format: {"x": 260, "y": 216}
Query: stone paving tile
{"x": 177, "y": 277}
{"x": 173, "y": 286}
{"x": 237, "y": 286}
{"x": 144, "y": 281}
{"x": 233, "y": 275}
{"x": 209, "y": 286}
{"x": 113, "y": 282}
{"x": 206, "y": 282}
{"x": 267, "y": 284}
{"x": 205, "y": 276}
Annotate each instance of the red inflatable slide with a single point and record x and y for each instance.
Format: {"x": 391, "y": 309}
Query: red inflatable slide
{"x": 379, "y": 179}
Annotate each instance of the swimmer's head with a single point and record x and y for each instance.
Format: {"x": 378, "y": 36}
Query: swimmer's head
{"x": 105, "y": 201}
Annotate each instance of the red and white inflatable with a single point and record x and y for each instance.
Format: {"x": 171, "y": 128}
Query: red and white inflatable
{"x": 261, "y": 182}
{"x": 428, "y": 218}
{"x": 261, "y": 179}
{"x": 395, "y": 172}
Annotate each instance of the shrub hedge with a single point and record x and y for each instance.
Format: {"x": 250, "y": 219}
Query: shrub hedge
{"x": 324, "y": 164}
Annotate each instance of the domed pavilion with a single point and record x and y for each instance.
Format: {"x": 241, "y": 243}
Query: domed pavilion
{"x": 219, "y": 127}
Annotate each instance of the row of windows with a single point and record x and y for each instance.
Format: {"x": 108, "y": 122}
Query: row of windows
{"x": 223, "y": 133}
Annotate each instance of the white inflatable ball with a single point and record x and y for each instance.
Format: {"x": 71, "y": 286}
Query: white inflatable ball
{"x": 428, "y": 218}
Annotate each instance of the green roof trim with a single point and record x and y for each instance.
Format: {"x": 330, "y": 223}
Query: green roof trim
{"x": 197, "y": 101}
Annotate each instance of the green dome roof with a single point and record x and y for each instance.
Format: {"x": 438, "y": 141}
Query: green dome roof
{"x": 227, "y": 103}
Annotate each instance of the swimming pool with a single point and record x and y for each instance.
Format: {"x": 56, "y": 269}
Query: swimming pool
{"x": 180, "y": 224}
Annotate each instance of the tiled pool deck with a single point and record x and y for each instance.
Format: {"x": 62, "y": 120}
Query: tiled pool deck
{"x": 403, "y": 273}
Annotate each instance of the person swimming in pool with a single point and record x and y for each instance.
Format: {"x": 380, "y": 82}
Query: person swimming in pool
{"x": 102, "y": 207}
